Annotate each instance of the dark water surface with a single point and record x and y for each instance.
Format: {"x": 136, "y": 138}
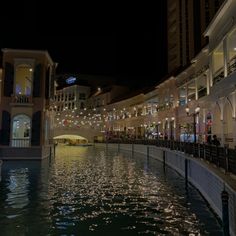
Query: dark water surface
{"x": 88, "y": 191}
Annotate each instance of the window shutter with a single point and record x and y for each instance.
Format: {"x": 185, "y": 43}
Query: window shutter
{"x": 47, "y": 83}
{"x": 8, "y": 80}
{"x": 5, "y": 131}
{"x": 36, "y": 127}
{"x": 36, "y": 80}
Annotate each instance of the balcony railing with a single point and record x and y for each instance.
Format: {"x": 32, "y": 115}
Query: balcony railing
{"x": 21, "y": 99}
{"x": 20, "y": 142}
{"x": 202, "y": 92}
{"x": 232, "y": 65}
{"x": 219, "y": 75}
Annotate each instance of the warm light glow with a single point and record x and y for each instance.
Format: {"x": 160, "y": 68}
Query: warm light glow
{"x": 197, "y": 109}
{"x": 187, "y": 110}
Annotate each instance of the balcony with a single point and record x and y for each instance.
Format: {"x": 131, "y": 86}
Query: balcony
{"x": 219, "y": 75}
{"x": 21, "y": 100}
{"x": 20, "y": 142}
{"x": 232, "y": 66}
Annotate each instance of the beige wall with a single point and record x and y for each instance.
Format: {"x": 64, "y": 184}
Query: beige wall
{"x": 38, "y": 104}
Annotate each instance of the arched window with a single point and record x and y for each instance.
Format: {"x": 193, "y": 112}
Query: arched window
{"x": 21, "y": 127}
{"x": 23, "y": 79}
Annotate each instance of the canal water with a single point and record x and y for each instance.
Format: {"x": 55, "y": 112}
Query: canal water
{"x": 91, "y": 191}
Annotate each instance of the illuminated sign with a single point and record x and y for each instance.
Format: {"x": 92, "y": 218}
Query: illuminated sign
{"x": 71, "y": 80}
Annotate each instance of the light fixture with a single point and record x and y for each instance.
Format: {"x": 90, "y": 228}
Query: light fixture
{"x": 197, "y": 109}
{"x": 187, "y": 110}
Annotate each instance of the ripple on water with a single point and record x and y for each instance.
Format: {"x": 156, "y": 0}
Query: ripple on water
{"x": 88, "y": 191}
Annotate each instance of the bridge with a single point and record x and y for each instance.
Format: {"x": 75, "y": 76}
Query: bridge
{"x": 87, "y": 133}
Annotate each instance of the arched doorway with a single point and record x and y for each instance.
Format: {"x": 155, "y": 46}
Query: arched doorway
{"x": 21, "y": 126}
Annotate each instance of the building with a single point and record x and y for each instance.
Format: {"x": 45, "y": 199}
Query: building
{"x": 26, "y": 94}
{"x": 186, "y": 22}
{"x": 69, "y": 103}
{"x": 106, "y": 95}
{"x": 79, "y": 101}
{"x": 198, "y": 101}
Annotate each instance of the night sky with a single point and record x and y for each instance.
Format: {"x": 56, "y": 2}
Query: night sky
{"x": 126, "y": 42}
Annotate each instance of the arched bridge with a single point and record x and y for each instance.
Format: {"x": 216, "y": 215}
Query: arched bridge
{"x": 84, "y": 132}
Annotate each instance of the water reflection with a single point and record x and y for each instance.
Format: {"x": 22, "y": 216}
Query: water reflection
{"x": 88, "y": 191}
{"x": 18, "y": 186}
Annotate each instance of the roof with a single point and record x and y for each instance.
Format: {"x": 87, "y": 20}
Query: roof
{"x": 220, "y": 13}
{"x": 131, "y": 94}
{"x": 100, "y": 92}
{"x": 11, "y": 50}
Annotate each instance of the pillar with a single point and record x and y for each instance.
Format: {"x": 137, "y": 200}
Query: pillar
{"x": 210, "y": 71}
{"x": 225, "y": 57}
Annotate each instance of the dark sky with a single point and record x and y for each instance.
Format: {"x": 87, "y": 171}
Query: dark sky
{"x": 127, "y": 42}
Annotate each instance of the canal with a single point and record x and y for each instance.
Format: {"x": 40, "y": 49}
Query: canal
{"x": 91, "y": 191}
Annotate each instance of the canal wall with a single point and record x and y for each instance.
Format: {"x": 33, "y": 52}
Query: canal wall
{"x": 209, "y": 180}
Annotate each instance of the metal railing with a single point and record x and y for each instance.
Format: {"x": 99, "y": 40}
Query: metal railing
{"x": 21, "y": 99}
{"x": 232, "y": 65}
{"x": 222, "y": 157}
{"x": 20, "y": 142}
{"x": 219, "y": 75}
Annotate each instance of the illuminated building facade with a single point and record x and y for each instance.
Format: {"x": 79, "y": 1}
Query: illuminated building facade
{"x": 207, "y": 84}
{"x": 27, "y": 88}
{"x": 186, "y": 22}
{"x": 198, "y": 101}
{"x": 69, "y": 103}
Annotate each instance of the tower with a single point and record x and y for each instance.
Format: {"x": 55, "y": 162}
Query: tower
{"x": 186, "y": 22}
{"x": 26, "y": 93}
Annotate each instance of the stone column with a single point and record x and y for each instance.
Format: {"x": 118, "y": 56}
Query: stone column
{"x": 208, "y": 82}
{"x": 210, "y": 70}
{"x": 225, "y": 53}
{"x": 196, "y": 89}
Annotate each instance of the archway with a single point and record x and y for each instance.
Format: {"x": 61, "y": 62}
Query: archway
{"x": 21, "y": 126}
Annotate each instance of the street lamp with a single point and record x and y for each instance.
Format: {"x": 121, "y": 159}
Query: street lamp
{"x": 194, "y": 115}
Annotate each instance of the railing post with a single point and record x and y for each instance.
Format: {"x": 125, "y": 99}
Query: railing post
{"x": 186, "y": 171}
{"x": 132, "y": 149}
{"x": 54, "y": 146}
{"x": 225, "y": 212}
{"x": 147, "y": 151}
{"x": 199, "y": 150}
{"x": 204, "y": 151}
{"x": 118, "y": 147}
{"x": 164, "y": 157}
{"x": 1, "y": 162}
{"x": 226, "y": 159}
